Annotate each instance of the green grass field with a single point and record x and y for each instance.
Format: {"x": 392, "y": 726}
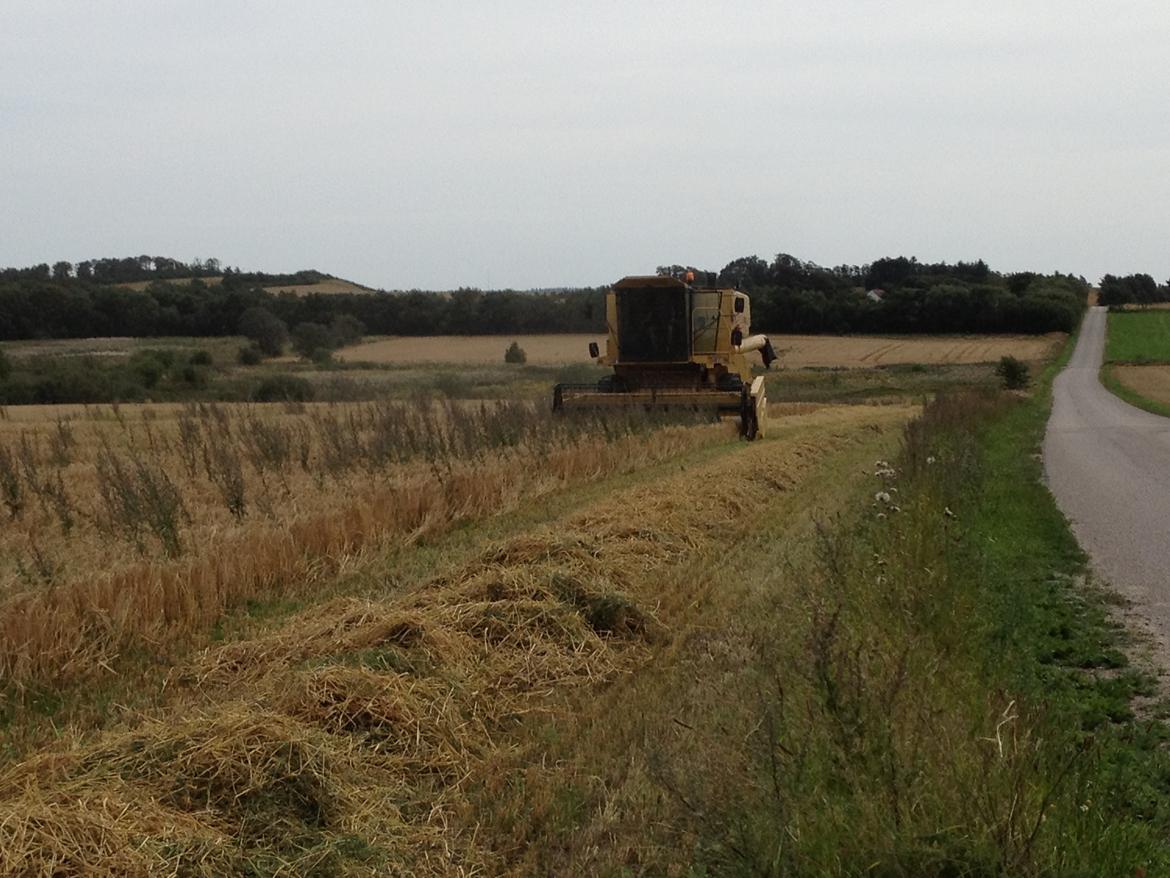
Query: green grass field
{"x": 1138, "y": 337}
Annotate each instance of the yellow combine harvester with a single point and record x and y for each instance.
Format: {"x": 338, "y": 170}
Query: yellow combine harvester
{"x": 672, "y": 345}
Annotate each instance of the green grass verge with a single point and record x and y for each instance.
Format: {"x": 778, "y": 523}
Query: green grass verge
{"x": 1138, "y": 337}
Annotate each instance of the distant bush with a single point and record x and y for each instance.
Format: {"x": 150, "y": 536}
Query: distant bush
{"x": 47, "y": 381}
{"x": 283, "y": 388}
{"x": 200, "y": 358}
{"x": 194, "y": 375}
{"x": 150, "y": 366}
{"x": 265, "y": 330}
{"x": 250, "y": 355}
{"x": 347, "y": 330}
{"x": 515, "y": 354}
{"x": 1013, "y": 373}
{"x": 309, "y": 338}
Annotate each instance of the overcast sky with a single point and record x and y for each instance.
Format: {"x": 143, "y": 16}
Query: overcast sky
{"x": 533, "y": 144}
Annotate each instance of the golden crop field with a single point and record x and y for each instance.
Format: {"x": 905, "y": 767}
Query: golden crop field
{"x": 389, "y": 727}
{"x": 332, "y": 286}
{"x": 131, "y": 526}
{"x": 796, "y": 351}
{"x": 179, "y": 281}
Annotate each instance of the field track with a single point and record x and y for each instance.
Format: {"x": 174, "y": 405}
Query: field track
{"x": 380, "y": 732}
{"x": 796, "y": 351}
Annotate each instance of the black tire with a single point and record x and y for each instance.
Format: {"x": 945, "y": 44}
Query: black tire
{"x": 749, "y": 425}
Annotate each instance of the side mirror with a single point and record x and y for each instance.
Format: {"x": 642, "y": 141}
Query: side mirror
{"x": 594, "y": 350}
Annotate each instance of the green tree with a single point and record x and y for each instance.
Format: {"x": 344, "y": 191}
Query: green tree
{"x": 347, "y": 329}
{"x": 264, "y": 329}
{"x": 309, "y": 339}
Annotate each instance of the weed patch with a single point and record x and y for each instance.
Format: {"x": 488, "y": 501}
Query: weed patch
{"x": 951, "y": 691}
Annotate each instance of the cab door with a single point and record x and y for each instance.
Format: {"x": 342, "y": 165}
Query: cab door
{"x": 704, "y": 322}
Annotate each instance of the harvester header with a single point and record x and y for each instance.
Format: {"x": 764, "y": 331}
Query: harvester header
{"x": 674, "y": 345}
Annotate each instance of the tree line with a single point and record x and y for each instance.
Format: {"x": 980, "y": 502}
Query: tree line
{"x": 897, "y": 295}
{"x": 902, "y": 295}
{"x": 1133, "y": 289}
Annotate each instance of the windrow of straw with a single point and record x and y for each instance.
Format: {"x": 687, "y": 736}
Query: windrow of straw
{"x": 356, "y": 737}
{"x": 61, "y": 634}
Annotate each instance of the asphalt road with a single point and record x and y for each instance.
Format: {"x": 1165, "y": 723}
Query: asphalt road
{"x": 1108, "y": 465}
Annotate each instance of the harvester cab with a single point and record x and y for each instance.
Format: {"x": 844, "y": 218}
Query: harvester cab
{"x": 672, "y": 345}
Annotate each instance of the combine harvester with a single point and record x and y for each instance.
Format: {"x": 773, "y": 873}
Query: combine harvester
{"x": 672, "y": 345}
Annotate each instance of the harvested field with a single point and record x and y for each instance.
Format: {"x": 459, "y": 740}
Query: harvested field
{"x": 866, "y": 351}
{"x": 324, "y": 287}
{"x": 140, "y": 285}
{"x": 796, "y": 351}
{"x": 479, "y": 349}
{"x": 1149, "y": 382}
{"x": 392, "y": 733}
{"x": 327, "y": 287}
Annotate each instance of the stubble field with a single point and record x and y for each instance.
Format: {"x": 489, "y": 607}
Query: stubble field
{"x": 796, "y": 351}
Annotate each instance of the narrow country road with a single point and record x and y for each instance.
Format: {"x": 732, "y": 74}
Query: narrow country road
{"x": 1108, "y": 465}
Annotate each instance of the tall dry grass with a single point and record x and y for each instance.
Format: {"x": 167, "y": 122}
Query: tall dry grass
{"x": 128, "y": 531}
